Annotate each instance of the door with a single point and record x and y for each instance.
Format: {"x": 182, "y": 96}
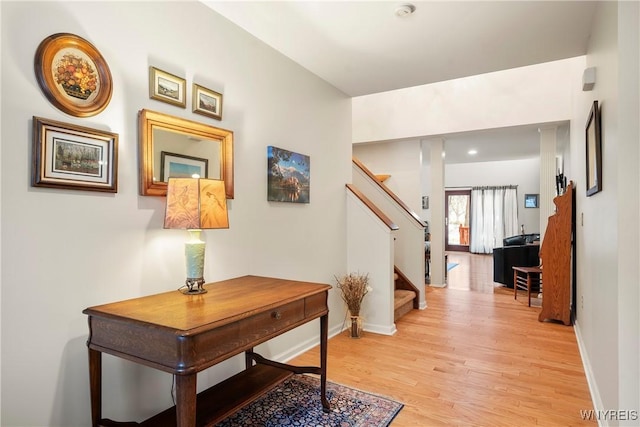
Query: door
{"x": 457, "y": 221}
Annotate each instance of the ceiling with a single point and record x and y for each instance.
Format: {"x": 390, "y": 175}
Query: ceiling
{"x": 363, "y": 47}
{"x": 512, "y": 143}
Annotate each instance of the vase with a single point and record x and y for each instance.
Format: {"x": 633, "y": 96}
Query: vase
{"x": 355, "y": 329}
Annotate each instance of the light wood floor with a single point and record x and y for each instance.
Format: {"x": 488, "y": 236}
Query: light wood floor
{"x": 474, "y": 357}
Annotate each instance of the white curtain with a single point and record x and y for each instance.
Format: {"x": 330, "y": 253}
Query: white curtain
{"x": 494, "y": 216}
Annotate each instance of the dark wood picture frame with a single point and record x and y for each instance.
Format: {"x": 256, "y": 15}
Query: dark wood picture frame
{"x": 73, "y": 75}
{"x": 187, "y": 164}
{"x": 74, "y": 157}
{"x": 593, "y": 145}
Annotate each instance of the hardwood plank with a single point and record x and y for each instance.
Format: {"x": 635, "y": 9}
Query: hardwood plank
{"x": 474, "y": 357}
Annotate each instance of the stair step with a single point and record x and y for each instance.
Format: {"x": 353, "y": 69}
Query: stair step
{"x": 402, "y": 302}
{"x": 401, "y": 296}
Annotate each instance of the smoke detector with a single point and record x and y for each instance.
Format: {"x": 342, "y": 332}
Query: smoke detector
{"x": 405, "y": 10}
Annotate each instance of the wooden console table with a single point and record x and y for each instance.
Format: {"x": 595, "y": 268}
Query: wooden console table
{"x": 184, "y": 334}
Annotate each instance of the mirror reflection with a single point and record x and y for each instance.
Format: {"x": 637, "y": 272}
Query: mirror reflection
{"x": 172, "y": 146}
{"x": 182, "y": 156}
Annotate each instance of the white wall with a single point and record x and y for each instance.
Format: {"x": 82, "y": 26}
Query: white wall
{"x": 437, "y": 229}
{"x": 524, "y": 173}
{"x": 597, "y": 231}
{"x": 607, "y": 234}
{"x": 521, "y": 96}
{"x": 370, "y": 251}
{"x": 63, "y": 251}
{"x": 629, "y": 192}
{"x": 401, "y": 160}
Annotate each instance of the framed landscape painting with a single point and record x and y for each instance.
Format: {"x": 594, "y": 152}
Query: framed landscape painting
{"x": 180, "y": 166}
{"x": 74, "y": 157}
{"x": 288, "y": 176}
{"x": 167, "y": 88}
{"x": 207, "y": 102}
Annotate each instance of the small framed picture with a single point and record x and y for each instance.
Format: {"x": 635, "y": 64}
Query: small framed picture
{"x": 166, "y": 87}
{"x": 288, "y": 176}
{"x": 180, "y": 166}
{"x": 425, "y": 202}
{"x": 593, "y": 140}
{"x": 530, "y": 200}
{"x": 207, "y": 102}
{"x": 74, "y": 157}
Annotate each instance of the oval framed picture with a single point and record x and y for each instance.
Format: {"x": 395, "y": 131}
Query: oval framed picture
{"x": 73, "y": 75}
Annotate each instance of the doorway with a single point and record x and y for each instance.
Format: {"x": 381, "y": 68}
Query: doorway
{"x": 457, "y": 221}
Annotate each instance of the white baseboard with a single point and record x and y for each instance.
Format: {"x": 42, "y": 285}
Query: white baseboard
{"x": 305, "y": 346}
{"x": 380, "y": 329}
{"x": 591, "y": 380}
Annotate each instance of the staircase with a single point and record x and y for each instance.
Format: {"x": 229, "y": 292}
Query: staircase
{"x": 408, "y": 235}
{"x": 405, "y": 295}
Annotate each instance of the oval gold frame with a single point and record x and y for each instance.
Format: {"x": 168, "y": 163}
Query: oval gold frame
{"x": 74, "y": 105}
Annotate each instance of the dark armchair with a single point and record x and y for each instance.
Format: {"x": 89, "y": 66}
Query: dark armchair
{"x": 518, "y": 251}
{"x": 521, "y": 239}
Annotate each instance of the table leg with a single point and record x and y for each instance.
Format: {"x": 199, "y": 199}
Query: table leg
{"x": 95, "y": 383}
{"x": 248, "y": 360}
{"x": 186, "y": 400}
{"x": 324, "y": 331}
{"x": 446, "y": 261}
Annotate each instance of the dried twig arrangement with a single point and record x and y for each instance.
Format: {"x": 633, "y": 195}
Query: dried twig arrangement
{"x": 353, "y": 288}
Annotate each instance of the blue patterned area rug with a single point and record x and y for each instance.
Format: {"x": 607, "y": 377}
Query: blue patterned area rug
{"x": 296, "y": 403}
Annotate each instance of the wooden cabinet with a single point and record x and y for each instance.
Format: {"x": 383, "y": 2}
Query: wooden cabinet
{"x": 556, "y": 255}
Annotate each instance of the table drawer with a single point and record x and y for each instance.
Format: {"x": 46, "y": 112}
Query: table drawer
{"x": 315, "y": 305}
{"x": 272, "y": 321}
{"x": 231, "y": 339}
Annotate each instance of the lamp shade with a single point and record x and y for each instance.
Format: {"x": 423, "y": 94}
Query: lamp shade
{"x": 196, "y": 204}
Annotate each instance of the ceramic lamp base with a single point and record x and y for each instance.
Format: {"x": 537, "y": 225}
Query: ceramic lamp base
{"x": 194, "y": 256}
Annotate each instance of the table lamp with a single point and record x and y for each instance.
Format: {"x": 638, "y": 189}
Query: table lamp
{"x": 195, "y": 204}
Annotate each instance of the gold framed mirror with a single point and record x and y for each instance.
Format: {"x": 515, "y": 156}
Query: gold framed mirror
{"x": 173, "y": 146}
